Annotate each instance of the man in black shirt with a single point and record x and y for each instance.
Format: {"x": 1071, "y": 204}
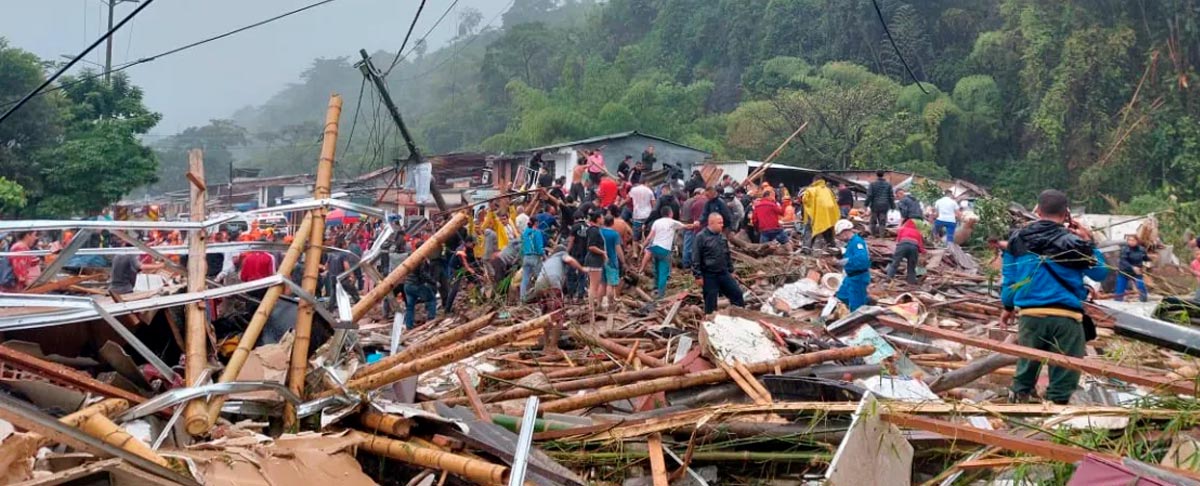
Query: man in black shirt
{"x": 713, "y": 267}
{"x": 880, "y": 200}
{"x": 625, "y": 167}
{"x": 648, "y": 159}
{"x": 596, "y": 256}
{"x": 418, "y": 287}
{"x": 845, "y": 200}
{"x": 577, "y": 249}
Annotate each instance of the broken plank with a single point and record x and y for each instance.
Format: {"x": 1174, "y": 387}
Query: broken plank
{"x": 1054, "y": 359}
{"x": 469, "y": 389}
{"x": 658, "y": 464}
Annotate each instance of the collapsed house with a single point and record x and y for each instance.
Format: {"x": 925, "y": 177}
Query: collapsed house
{"x": 909, "y": 389}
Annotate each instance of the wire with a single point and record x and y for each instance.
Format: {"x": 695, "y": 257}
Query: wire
{"x": 895, "y": 47}
{"x": 181, "y": 48}
{"x": 411, "y": 26}
{"x": 73, "y": 61}
{"x": 461, "y": 47}
{"x": 422, "y": 39}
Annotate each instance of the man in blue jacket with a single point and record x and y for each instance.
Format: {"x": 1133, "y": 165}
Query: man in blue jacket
{"x": 533, "y": 248}
{"x": 857, "y": 264}
{"x": 1044, "y": 268}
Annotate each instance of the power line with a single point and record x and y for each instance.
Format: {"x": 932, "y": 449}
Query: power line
{"x": 460, "y": 47}
{"x": 895, "y": 47}
{"x": 73, "y": 61}
{"x": 184, "y": 47}
{"x": 408, "y": 34}
{"x": 422, "y": 39}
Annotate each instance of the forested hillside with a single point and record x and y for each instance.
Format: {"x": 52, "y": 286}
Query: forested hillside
{"x": 1092, "y": 96}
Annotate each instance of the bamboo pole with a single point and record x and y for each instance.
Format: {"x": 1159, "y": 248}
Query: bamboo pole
{"x": 11, "y": 447}
{"x": 469, "y": 390}
{"x": 388, "y": 424}
{"x": 706, "y": 377}
{"x": 705, "y": 456}
{"x": 445, "y": 357}
{"x": 312, "y": 261}
{"x": 620, "y": 350}
{"x": 100, "y": 427}
{"x": 574, "y": 372}
{"x": 201, "y": 424}
{"x": 422, "y": 253}
{"x": 436, "y": 342}
{"x": 196, "y": 336}
{"x": 475, "y": 470}
{"x": 581, "y": 384}
{"x": 770, "y": 158}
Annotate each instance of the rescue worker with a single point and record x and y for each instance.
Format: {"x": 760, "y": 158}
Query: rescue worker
{"x": 880, "y": 200}
{"x": 856, "y": 262}
{"x": 820, "y": 211}
{"x": 1044, "y": 267}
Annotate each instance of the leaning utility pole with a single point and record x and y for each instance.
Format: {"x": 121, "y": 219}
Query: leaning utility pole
{"x": 414, "y": 155}
{"x": 108, "y": 44}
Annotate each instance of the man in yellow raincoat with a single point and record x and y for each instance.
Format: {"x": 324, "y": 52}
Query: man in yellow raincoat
{"x": 820, "y": 211}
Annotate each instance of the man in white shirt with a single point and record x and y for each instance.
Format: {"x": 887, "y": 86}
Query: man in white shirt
{"x": 947, "y": 216}
{"x": 643, "y": 204}
{"x": 659, "y": 244}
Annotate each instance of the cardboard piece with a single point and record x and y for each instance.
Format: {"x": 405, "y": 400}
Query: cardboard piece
{"x": 292, "y": 459}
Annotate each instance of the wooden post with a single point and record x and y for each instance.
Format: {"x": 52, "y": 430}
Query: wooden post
{"x": 196, "y": 337}
{"x": 422, "y": 253}
{"x": 201, "y": 424}
{"x": 312, "y": 260}
{"x": 658, "y": 464}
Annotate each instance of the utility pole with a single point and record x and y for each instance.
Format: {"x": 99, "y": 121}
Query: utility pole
{"x": 414, "y": 154}
{"x": 108, "y": 44}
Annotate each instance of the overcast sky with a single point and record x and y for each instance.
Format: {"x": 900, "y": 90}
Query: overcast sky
{"x": 213, "y": 80}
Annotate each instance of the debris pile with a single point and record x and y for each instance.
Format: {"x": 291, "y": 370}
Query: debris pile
{"x": 166, "y": 386}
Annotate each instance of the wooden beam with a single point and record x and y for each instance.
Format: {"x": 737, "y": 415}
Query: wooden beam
{"x": 476, "y": 404}
{"x": 658, "y": 464}
{"x": 1091, "y": 366}
{"x": 953, "y": 431}
{"x": 196, "y": 334}
{"x": 63, "y": 374}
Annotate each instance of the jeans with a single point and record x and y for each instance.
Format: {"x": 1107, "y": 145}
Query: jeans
{"x": 662, "y": 269}
{"x": 718, "y": 284}
{"x": 773, "y": 235}
{"x": 1123, "y": 279}
{"x": 531, "y": 266}
{"x": 577, "y": 283}
{"x": 949, "y": 227}
{"x": 910, "y": 253}
{"x": 878, "y": 221}
{"x": 1061, "y": 335}
{"x": 845, "y": 211}
{"x": 414, "y": 294}
{"x": 688, "y": 237}
{"x": 638, "y": 226}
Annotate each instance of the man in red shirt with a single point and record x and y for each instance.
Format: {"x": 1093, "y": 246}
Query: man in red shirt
{"x": 766, "y": 219}
{"x": 257, "y": 265}
{"x": 607, "y": 192}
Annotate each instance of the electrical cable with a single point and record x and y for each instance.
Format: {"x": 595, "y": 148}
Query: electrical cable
{"x": 460, "y": 48}
{"x": 422, "y": 39}
{"x": 182, "y": 48}
{"x": 408, "y": 34}
{"x": 74, "y": 60}
{"x": 895, "y": 47}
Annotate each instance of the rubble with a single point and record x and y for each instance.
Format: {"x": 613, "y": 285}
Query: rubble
{"x": 799, "y": 391}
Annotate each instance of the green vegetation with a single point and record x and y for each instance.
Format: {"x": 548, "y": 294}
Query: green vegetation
{"x": 73, "y": 151}
{"x": 1016, "y": 95}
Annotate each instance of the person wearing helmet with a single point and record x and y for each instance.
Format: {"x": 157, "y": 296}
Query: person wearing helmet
{"x": 856, "y": 262}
